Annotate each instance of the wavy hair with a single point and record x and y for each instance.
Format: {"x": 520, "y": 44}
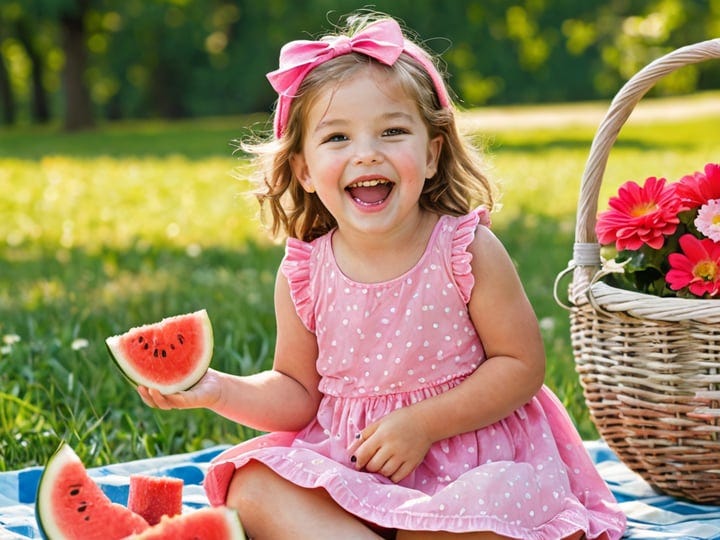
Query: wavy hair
{"x": 458, "y": 186}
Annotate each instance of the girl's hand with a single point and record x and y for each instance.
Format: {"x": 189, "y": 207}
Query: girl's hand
{"x": 206, "y": 393}
{"x": 393, "y": 446}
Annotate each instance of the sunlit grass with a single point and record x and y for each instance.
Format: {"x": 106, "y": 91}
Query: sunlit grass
{"x": 90, "y": 202}
{"x": 104, "y": 230}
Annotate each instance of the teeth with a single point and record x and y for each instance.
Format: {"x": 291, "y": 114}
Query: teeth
{"x": 369, "y": 183}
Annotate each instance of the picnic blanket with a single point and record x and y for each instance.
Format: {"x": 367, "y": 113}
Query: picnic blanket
{"x": 650, "y": 514}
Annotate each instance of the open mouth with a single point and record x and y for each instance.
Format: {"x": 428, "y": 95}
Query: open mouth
{"x": 370, "y": 192}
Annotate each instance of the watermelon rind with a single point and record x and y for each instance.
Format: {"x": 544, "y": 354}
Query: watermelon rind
{"x": 118, "y": 520}
{"x": 203, "y": 521}
{"x": 138, "y": 379}
{"x": 234, "y": 525}
{"x": 46, "y": 521}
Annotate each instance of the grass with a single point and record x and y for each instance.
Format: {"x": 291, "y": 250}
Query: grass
{"x": 104, "y": 230}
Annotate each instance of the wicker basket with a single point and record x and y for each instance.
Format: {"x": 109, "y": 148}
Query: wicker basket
{"x": 649, "y": 366}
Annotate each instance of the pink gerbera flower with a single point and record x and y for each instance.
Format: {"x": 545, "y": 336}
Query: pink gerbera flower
{"x": 697, "y": 268}
{"x": 696, "y": 189}
{"x": 639, "y": 215}
{"x": 708, "y": 219}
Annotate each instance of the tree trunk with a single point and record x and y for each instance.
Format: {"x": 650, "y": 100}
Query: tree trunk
{"x": 40, "y": 109}
{"x": 7, "y": 99}
{"x": 78, "y": 112}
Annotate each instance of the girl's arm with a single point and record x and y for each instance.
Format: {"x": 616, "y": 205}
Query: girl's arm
{"x": 284, "y": 398}
{"x": 514, "y": 368}
{"x": 511, "y": 375}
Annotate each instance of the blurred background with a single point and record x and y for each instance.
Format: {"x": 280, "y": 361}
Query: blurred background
{"x": 123, "y": 200}
{"x": 80, "y": 62}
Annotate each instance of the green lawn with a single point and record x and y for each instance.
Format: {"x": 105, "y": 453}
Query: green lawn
{"x": 104, "y": 230}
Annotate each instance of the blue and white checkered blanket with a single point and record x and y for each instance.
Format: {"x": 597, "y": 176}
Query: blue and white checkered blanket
{"x": 650, "y": 515}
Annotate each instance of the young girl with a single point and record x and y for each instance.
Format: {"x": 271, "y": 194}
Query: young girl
{"x": 406, "y": 398}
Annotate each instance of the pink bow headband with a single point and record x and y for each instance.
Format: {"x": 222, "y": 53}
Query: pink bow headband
{"x": 382, "y": 40}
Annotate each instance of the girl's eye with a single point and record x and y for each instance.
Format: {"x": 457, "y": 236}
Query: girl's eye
{"x": 335, "y": 137}
{"x": 395, "y": 131}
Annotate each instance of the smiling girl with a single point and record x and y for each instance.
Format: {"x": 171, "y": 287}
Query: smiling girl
{"x": 406, "y": 398}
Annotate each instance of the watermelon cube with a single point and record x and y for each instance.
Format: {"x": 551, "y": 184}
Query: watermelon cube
{"x": 155, "y": 496}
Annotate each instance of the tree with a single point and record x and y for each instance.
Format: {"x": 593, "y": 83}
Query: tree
{"x": 40, "y": 108}
{"x": 68, "y": 18}
{"x": 178, "y": 58}
{"x": 78, "y": 111}
{"x": 7, "y": 99}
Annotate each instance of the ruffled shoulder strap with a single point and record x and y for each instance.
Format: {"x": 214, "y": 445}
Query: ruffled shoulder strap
{"x": 460, "y": 258}
{"x": 295, "y": 266}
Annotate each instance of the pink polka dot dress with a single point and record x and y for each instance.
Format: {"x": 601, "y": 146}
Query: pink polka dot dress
{"x": 387, "y": 345}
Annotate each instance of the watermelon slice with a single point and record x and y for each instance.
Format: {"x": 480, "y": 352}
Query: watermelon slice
{"x": 70, "y": 505}
{"x": 171, "y": 355}
{"x": 155, "y": 496}
{"x": 210, "y": 523}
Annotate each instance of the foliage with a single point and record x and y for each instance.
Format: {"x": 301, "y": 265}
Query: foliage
{"x": 105, "y": 230}
{"x": 180, "y": 58}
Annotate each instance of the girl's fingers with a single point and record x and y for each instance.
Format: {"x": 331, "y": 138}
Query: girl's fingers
{"x": 390, "y": 467}
{"x": 355, "y": 444}
{"x": 362, "y": 447}
{"x": 153, "y": 398}
{"x": 143, "y": 392}
{"x": 362, "y": 452}
{"x": 161, "y": 400}
{"x": 374, "y": 460}
{"x": 404, "y": 470}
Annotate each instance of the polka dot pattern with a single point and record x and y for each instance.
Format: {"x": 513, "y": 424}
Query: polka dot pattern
{"x": 406, "y": 334}
{"x": 387, "y": 345}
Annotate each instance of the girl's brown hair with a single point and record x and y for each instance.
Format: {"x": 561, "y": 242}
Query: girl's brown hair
{"x": 458, "y": 186}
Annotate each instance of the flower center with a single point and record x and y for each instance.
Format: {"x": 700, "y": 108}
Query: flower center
{"x": 716, "y": 220}
{"x": 706, "y": 270}
{"x": 643, "y": 209}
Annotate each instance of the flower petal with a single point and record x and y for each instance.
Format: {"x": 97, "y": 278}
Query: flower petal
{"x": 639, "y": 215}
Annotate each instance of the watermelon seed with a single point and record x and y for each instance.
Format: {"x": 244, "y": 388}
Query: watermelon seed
{"x": 82, "y": 507}
{"x": 74, "y": 491}
{"x": 181, "y": 339}
{"x": 87, "y": 518}
{"x": 155, "y": 353}
{"x": 172, "y": 346}
{"x": 164, "y": 353}
{"x": 141, "y": 339}
{"x": 146, "y": 346}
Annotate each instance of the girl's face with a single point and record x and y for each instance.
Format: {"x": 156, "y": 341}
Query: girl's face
{"x": 366, "y": 153}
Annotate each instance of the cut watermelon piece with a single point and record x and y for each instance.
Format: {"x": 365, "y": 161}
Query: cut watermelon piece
{"x": 210, "y": 523}
{"x": 171, "y": 355}
{"x": 70, "y": 505}
{"x": 155, "y": 496}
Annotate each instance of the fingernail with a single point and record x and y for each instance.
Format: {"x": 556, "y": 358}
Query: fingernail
{"x": 353, "y": 459}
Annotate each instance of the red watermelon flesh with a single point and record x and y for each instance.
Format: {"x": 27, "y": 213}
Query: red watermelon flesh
{"x": 70, "y": 505}
{"x": 155, "y": 496}
{"x": 171, "y": 355}
{"x": 210, "y": 523}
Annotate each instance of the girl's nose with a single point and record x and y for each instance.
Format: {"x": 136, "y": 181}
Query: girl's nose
{"x": 367, "y": 153}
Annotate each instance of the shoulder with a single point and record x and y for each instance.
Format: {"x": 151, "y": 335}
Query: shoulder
{"x": 485, "y": 242}
{"x": 489, "y": 255}
{"x": 497, "y": 282}
{"x": 470, "y": 234}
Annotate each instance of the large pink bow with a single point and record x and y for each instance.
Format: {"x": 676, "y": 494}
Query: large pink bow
{"x": 382, "y": 40}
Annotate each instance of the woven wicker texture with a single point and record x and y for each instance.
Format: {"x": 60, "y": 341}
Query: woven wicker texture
{"x": 649, "y": 366}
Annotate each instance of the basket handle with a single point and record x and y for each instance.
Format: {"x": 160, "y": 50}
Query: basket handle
{"x": 586, "y": 250}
